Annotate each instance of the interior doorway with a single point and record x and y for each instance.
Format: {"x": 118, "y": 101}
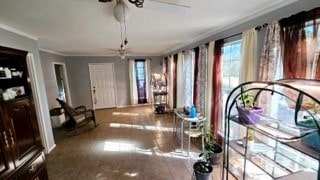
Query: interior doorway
{"x": 62, "y": 81}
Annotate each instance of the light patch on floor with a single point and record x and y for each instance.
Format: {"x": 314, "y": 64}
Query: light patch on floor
{"x": 150, "y": 128}
{"x": 118, "y": 146}
{"x": 124, "y": 114}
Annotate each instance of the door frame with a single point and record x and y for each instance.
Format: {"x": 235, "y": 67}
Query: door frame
{"x": 114, "y": 80}
{"x": 65, "y": 79}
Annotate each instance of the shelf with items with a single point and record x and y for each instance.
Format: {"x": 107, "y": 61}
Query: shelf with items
{"x": 287, "y": 133}
{"x": 254, "y": 168}
{"x": 14, "y": 83}
{"x": 159, "y": 92}
{"x": 237, "y": 164}
{"x": 275, "y": 160}
{"x": 284, "y": 133}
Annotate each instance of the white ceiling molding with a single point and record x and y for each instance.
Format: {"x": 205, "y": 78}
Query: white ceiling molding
{"x": 16, "y": 31}
{"x": 117, "y": 56}
{"x": 52, "y": 52}
{"x": 257, "y": 13}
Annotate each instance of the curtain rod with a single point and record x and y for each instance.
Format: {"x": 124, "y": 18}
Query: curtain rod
{"x": 256, "y": 28}
{"x": 259, "y": 27}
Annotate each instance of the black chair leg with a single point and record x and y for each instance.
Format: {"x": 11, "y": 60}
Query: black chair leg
{"x": 94, "y": 121}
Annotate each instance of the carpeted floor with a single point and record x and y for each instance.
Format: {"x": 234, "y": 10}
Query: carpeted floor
{"x": 129, "y": 143}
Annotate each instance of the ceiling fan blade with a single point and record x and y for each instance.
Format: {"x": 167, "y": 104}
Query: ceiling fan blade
{"x": 171, "y": 3}
{"x": 104, "y": 1}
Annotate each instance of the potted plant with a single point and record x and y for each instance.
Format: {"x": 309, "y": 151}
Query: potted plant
{"x": 249, "y": 140}
{"x": 211, "y": 144}
{"x": 210, "y": 156}
{"x": 202, "y": 167}
{"x": 248, "y": 112}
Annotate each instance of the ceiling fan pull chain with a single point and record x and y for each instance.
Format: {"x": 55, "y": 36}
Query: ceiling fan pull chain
{"x": 125, "y": 28}
{"x": 121, "y": 46}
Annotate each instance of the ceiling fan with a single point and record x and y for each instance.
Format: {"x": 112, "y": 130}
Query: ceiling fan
{"x": 139, "y": 3}
{"x": 122, "y": 52}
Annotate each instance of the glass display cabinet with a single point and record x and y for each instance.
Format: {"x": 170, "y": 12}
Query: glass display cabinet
{"x": 279, "y": 142}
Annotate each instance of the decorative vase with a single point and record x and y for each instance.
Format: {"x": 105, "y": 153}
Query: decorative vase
{"x": 249, "y": 116}
{"x": 249, "y": 144}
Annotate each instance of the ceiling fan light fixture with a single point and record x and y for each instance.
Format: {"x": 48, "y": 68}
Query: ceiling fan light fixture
{"x": 122, "y": 56}
{"x": 121, "y": 11}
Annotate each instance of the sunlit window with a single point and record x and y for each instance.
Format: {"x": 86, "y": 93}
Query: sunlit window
{"x": 231, "y": 66}
{"x": 230, "y": 70}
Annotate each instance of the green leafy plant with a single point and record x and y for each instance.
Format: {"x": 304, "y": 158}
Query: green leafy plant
{"x": 312, "y": 105}
{"x": 208, "y": 134}
{"x": 250, "y": 135}
{"x": 211, "y": 147}
{"x": 247, "y": 99}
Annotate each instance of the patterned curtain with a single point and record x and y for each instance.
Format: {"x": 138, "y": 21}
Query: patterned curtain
{"x": 270, "y": 62}
{"x": 180, "y": 77}
{"x": 202, "y": 79}
{"x": 270, "y": 67}
{"x": 188, "y": 68}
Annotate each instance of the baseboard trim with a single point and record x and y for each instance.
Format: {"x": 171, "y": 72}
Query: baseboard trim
{"x": 49, "y": 150}
{"x": 134, "y": 105}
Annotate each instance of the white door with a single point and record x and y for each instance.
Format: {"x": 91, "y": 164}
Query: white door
{"x": 103, "y": 86}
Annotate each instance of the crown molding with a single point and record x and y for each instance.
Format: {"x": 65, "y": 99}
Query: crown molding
{"x": 257, "y": 13}
{"x": 106, "y": 55}
{"x": 16, "y": 31}
{"x": 52, "y": 52}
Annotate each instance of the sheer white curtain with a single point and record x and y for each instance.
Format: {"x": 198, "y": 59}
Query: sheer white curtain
{"x": 248, "y": 55}
{"x": 133, "y": 83}
{"x": 209, "y": 85}
{"x": 170, "y": 81}
{"x": 180, "y": 81}
{"x": 148, "y": 75}
{"x": 188, "y": 78}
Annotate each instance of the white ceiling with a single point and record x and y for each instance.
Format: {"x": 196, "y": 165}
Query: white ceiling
{"x": 87, "y": 27}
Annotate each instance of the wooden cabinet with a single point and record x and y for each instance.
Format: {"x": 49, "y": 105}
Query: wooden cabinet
{"x": 35, "y": 170}
{"x": 21, "y": 150}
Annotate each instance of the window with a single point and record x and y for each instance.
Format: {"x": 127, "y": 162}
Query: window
{"x": 231, "y": 66}
{"x": 231, "y": 70}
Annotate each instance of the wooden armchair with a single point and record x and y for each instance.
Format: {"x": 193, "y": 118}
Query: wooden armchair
{"x": 78, "y": 116}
